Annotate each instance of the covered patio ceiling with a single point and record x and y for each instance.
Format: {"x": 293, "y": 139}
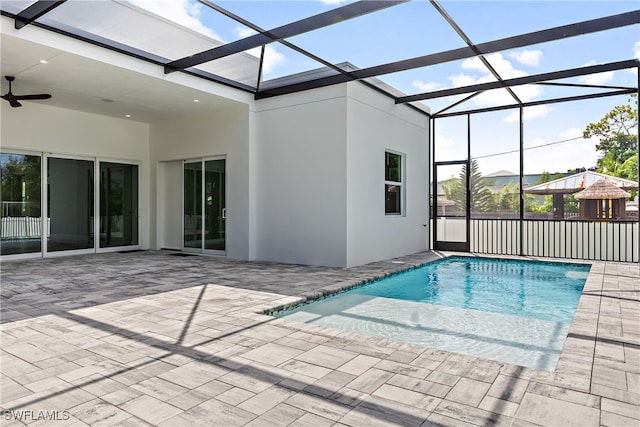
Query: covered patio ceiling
{"x": 442, "y": 33}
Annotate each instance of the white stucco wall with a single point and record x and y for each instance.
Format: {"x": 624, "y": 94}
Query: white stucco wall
{"x": 223, "y": 132}
{"x": 376, "y": 124}
{"x": 301, "y": 178}
{"x": 40, "y": 128}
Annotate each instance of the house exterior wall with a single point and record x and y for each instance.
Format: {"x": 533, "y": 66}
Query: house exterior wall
{"x": 220, "y": 133}
{"x": 300, "y": 177}
{"x": 58, "y": 131}
{"x": 376, "y": 124}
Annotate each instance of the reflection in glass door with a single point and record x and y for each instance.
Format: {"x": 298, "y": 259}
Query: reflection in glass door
{"x": 118, "y": 204}
{"x": 204, "y": 205}
{"x": 20, "y": 190}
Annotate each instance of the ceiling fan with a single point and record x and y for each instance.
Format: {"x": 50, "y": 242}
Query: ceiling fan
{"x": 13, "y": 99}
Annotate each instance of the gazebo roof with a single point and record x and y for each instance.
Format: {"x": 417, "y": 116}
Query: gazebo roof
{"x": 602, "y": 189}
{"x": 578, "y": 182}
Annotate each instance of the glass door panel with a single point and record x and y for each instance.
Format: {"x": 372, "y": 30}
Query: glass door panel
{"x": 20, "y": 190}
{"x": 70, "y": 204}
{"x": 192, "y": 220}
{"x": 118, "y": 204}
{"x": 215, "y": 212}
{"x": 451, "y": 221}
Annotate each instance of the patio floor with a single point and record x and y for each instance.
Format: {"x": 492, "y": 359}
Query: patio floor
{"x": 150, "y": 338}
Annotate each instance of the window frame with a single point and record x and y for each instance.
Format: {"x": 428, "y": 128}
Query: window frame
{"x": 400, "y": 184}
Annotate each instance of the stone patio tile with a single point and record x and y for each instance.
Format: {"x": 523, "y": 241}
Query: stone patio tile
{"x": 469, "y": 392}
{"x": 159, "y": 388}
{"x": 508, "y": 388}
{"x": 609, "y": 377}
{"x": 272, "y": 354}
{"x": 121, "y": 396}
{"x": 567, "y": 395}
{"x": 443, "y": 378}
{"x": 266, "y": 400}
{"x": 306, "y": 369}
{"x": 377, "y": 411}
{"x": 470, "y": 415}
{"x": 329, "y": 383}
{"x": 99, "y": 413}
{"x": 440, "y": 420}
{"x": 621, "y": 408}
{"x": 318, "y": 406}
{"x": 193, "y": 374}
{"x": 498, "y": 406}
{"x": 308, "y": 420}
{"x": 359, "y": 364}
{"x": 607, "y": 419}
{"x": 198, "y": 395}
{"x": 349, "y": 397}
{"x": 616, "y": 394}
{"x": 280, "y": 415}
{"x": 421, "y": 386}
{"x": 210, "y": 413}
{"x": 44, "y": 384}
{"x": 548, "y": 411}
{"x": 402, "y": 368}
{"x": 234, "y": 396}
{"x": 401, "y": 356}
{"x": 80, "y": 373}
{"x": 370, "y": 380}
{"x": 328, "y": 357}
{"x": 407, "y": 397}
{"x": 150, "y": 409}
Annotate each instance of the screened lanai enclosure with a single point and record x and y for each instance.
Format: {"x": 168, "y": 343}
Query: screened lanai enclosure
{"x": 508, "y": 89}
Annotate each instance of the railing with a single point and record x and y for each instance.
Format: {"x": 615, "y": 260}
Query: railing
{"x": 22, "y": 227}
{"x": 573, "y": 239}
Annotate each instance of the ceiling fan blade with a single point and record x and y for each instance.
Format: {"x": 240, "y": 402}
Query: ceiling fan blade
{"x": 14, "y": 103}
{"x": 31, "y": 97}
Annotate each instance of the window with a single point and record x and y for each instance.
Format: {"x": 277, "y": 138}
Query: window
{"x": 393, "y": 184}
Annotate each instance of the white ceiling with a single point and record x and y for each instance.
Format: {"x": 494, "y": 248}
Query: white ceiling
{"x": 83, "y": 84}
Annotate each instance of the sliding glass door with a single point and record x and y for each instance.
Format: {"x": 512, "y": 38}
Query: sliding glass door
{"x": 70, "y": 204}
{"x": 79, "y": 203}
{"x": 204, "y": 206}
{"x": 20, "y": 193}
{"x": 118, "y": 204}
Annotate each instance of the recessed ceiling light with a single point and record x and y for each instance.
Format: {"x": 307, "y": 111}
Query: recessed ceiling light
{"x": 196, "y": 100}
{"x": 127, "y": 115}
{"x": 44, "y": 61}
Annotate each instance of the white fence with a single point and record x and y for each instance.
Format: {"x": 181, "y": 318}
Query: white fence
{"x": 23, "y": 227}
{"x": 589, "y": 240}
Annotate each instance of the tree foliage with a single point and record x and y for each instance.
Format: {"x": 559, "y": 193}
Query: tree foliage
{"x": 618, "y": 140}
{"x": 481, "y": 198}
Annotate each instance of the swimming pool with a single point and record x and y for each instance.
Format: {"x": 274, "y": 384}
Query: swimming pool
{"x": 512, "y": 311}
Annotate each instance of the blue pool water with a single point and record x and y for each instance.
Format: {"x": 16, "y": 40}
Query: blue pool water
{"x": 507, "y": 310}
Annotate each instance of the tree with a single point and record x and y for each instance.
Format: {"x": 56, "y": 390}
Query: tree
{"x": 481, "y": 197}
{"x": 618, "y": 143}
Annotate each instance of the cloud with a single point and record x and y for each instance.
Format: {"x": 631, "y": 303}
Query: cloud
{"x": 333, "y": 2}
{"x": 505, "y": 69}
{"x": 425, "y": 86}
{"x": 636, "y": 50}
{"x": 183, "y": 12}
{"x": 527, "y": 57}
{"x": 529, "y": 113}
{"x": 596, "y": 79}
{"x": 272, "y": 57}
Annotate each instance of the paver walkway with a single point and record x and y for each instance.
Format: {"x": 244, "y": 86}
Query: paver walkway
{"x": 149, "y": 338}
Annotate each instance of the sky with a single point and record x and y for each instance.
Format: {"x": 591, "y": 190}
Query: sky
{"x": 552, "y": 133}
